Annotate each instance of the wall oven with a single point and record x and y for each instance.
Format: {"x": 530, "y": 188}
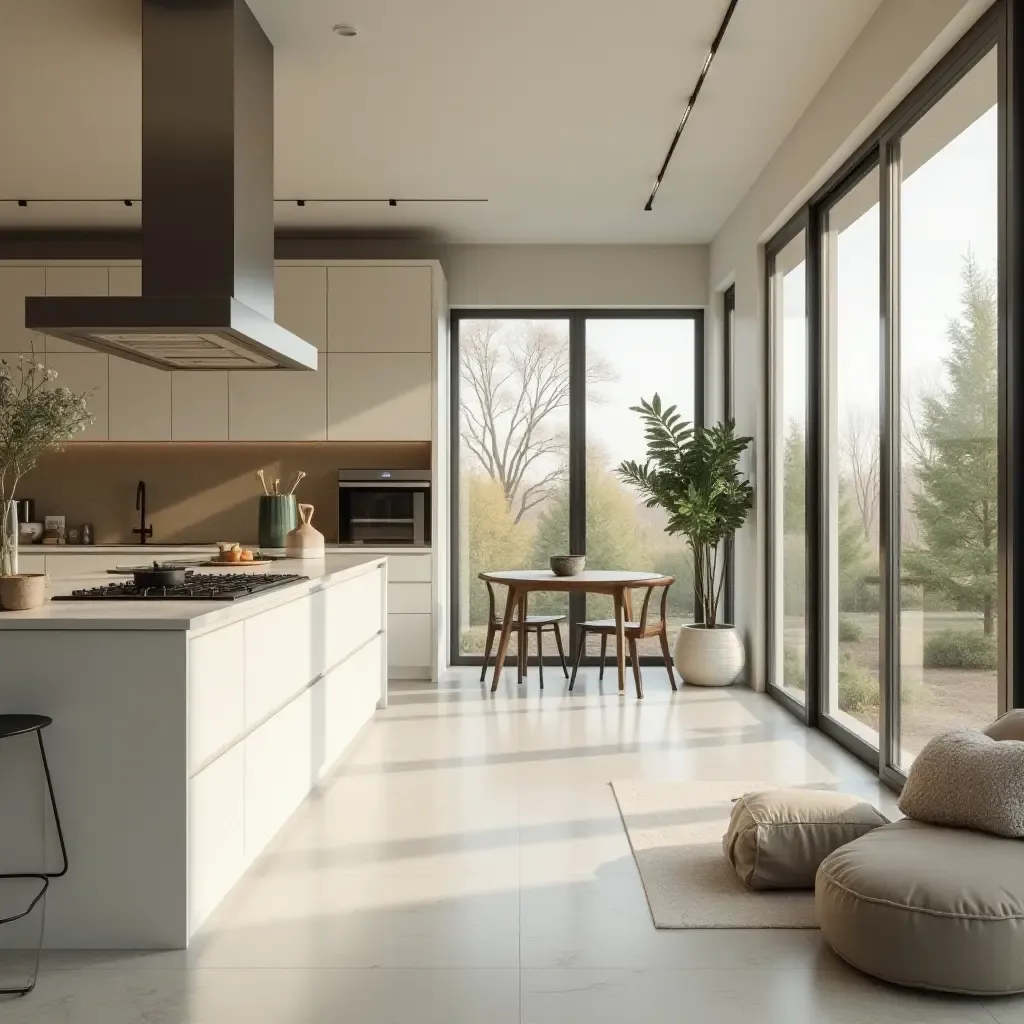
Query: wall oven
{"x": 384, "y": 506}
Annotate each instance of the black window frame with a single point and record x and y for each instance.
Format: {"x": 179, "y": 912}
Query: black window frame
{"x": 577, "y": 318}
{"x": 1001, "y": 28}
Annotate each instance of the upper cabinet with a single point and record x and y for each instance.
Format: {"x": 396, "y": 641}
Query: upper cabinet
{"x": 16, "y": 283}
{"x": 83, "y": 280}
{"x": 300, "y": 302}
{"x": 286, "y": 405}
{"x": 380, "y": 308}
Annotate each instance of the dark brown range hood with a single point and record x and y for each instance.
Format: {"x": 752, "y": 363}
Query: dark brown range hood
{"x": 207, "y": 298}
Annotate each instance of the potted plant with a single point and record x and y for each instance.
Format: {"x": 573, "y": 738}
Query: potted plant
{"x": 691, "y": 472}
{"x": 35, "y": 416}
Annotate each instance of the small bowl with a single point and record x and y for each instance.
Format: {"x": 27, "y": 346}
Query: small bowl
{"x": 29, "y": 533}
{"x": 568, "y": 565}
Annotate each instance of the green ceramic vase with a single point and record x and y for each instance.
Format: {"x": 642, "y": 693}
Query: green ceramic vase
{"x": 278, "y": 517}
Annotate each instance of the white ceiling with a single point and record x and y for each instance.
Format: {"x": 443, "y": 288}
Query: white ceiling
{"x": 558, "y": 112}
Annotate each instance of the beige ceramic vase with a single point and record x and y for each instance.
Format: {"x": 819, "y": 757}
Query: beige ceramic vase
{"x": 305, "y": 541}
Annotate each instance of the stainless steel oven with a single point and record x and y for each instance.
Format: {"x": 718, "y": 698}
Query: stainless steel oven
{"x": 384, "y": 506}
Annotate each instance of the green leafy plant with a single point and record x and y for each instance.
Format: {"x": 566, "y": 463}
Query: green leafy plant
{"x": 954, "y": 648}
{"x": 691, "y": 473}
{"x": 850, "y": 632}
{"x": 35, "y": 416}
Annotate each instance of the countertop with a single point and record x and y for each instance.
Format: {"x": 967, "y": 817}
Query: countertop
{"x": 183, "y": 550}
{"x": 336, "y": 567}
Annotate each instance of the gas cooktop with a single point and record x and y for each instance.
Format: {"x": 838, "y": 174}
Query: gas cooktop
{"x": 197, "y": 587}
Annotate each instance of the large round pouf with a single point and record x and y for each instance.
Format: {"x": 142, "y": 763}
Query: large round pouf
{"x": 928, "y": 907}
{"x": 709, "y": 657}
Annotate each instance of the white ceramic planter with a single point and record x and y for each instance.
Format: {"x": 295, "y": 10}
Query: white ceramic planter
{"x": 709, "y": 657}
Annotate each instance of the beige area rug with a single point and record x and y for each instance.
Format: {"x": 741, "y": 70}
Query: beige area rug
{"x": 675, "y": 830}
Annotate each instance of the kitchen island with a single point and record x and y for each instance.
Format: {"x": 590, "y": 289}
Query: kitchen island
{"x": 184, "y": 735}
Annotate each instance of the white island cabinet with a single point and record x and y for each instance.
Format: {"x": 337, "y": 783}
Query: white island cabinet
{"x": 184, "y": 735}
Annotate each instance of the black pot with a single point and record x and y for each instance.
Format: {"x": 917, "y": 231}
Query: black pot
{"x": 159, "y": 576}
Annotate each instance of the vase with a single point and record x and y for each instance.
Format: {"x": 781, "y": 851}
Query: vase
{"x": 709, "y": 657}
{"x": 8, "y": 537}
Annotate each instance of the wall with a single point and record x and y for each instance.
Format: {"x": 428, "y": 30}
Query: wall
{"x": 901, "y": 42}
{"x": 539, "y": 275}
{"x": 197, "y": 493}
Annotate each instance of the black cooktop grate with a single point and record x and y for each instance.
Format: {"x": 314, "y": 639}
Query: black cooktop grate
{"x": 197, "y": 587}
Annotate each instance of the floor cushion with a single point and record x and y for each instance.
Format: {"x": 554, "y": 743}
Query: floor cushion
{"x": 927, "y": 906}
{"x": 1008, "y": 727}
{"x": 965, "y": 779}
{"x": 776, "y": 839}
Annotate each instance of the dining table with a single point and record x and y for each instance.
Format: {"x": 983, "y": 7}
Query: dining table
{"x": 522, "y": 582}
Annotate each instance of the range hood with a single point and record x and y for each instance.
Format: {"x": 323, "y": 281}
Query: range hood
{"x": 207, "y": 298}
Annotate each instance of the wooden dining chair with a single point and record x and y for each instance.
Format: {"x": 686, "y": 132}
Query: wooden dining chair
{"x": 634, "y": 630}
{"x": 523, "y": 624}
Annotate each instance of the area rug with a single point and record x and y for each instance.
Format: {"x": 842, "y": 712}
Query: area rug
{"x": 675, "y": 830}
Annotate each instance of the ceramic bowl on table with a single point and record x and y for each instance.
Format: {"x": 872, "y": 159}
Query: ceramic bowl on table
{"x": 568, "y": 565}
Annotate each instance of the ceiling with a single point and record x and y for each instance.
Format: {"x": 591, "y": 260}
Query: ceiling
{"x": 558, "y": 112}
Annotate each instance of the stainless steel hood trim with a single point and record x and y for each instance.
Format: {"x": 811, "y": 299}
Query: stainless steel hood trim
{"x": 80, "y": 319}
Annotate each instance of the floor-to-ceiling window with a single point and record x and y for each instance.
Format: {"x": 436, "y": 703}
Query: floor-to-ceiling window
{"x": 947, "y": 181}
{"x": 885, "y": 416}
{"x": 851, "y": 345}
{"x": 542, "y": 412}
{"x": 787, "y": 338}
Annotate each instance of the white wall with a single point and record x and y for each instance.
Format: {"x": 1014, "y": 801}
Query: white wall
{"x": 576, "y": 275}
{"x": 901, "y": 42}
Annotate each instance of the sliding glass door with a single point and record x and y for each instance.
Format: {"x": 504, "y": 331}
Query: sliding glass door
{"x": 541, "y": 418}
{"x": 788, "y": 384}
{"x": 886, "y": 408}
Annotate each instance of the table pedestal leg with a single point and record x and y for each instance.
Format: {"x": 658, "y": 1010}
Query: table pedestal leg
{"x": 620, "y": 639}
{"x": 506, "y": 632}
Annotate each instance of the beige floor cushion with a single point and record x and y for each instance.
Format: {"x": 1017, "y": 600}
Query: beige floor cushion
{"x": 928, "y": 907}
{"x": 1009, "y": 727}
{"x": 776, "y": 839}
{"x": 965, "y": 779}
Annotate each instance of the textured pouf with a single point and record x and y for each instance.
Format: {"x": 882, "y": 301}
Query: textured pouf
{"x": 928, "y": 907}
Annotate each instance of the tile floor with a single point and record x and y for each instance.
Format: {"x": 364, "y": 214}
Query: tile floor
{"x": 466, "y": 863}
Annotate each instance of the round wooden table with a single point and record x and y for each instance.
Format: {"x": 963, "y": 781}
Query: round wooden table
{"x": 521, "y": 582}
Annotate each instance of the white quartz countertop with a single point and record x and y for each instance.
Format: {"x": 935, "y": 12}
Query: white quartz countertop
{"x": 147, "y": 552}
{"x": 334, "y": 568}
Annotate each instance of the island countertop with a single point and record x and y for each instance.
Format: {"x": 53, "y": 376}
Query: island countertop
{"x": 333, "y": 568}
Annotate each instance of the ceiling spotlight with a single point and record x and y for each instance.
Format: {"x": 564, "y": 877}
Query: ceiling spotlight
{"x": 345, "y": 31}
{"x": 127, "y": 202}
{"x": 392, "y": 202}
{"x": 23, "y": 202}
{"x": 300, "y": 202}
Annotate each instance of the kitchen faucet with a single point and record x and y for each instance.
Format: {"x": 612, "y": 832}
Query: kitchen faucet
{"x": 142, "y": 529}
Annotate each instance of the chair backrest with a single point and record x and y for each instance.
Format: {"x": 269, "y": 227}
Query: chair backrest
{"x": 492, "y": 615}
{"x": 662, "y": 584}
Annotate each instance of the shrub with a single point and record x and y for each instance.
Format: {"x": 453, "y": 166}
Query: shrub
{"x": 850, "y": 632}
{"x": 952, "y": 648}
{"x": 858, "y": 689}
{"x": 793, "y": 675}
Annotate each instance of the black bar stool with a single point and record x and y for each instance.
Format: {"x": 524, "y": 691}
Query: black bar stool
{"x": 19, "y": 725}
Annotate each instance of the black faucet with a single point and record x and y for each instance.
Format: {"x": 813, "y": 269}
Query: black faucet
{"x": 142, "y": 529}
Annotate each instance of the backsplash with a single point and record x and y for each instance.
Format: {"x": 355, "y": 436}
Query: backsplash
{"x": 198, "y": 493}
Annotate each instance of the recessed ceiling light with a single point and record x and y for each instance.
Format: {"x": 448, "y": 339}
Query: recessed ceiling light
{"x": 346, "y": 31}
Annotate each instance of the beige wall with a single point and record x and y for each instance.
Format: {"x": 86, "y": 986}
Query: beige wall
{"x": 576, "y": 275}
{"x": 901, "y": 42}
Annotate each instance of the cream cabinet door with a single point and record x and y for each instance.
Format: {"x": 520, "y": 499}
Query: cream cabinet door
{"x": 379, "y": 309}
{"x": 286, "y": 405}
{"x": 140, "y": 402}
{"x": 199, "y": 405}
{"x": 15, "y": 284}
{"x": 87, "y": 372}
{"x": 125, "y": 280}
{"x": 378, "y": 397}
{"x": 300, "y": 302}
{"x": 278, "y": 405}
{"x": 74, "y": 281}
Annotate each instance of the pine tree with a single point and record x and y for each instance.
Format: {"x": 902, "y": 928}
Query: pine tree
{"x": 957, "y": 469}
